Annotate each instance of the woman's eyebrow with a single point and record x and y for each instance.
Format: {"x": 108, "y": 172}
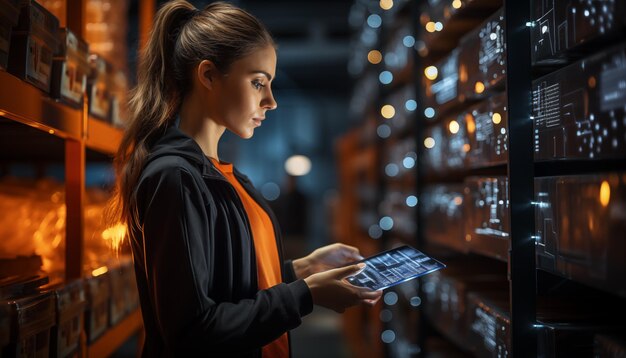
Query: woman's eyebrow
{"x": 269, "y": 77}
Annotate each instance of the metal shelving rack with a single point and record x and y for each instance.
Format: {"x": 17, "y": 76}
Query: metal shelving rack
{"x": 23, "y": 106}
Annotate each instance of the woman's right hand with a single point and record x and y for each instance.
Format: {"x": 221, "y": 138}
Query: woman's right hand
{"x": 330, "y": 290}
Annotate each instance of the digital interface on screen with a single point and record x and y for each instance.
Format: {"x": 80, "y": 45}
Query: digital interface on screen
{"x": 392, "y": 267}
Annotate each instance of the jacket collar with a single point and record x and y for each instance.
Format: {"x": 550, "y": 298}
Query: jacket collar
{"x": 175, "y": 142}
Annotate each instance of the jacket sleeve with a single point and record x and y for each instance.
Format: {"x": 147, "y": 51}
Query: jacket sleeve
{"x": 290, "y": 273}
{"x": 188, "y": 319}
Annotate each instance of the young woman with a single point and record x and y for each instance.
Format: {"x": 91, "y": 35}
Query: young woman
{"x": 206, "y": 247}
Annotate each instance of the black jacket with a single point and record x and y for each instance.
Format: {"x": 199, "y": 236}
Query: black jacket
{"x": 195, "y": 261}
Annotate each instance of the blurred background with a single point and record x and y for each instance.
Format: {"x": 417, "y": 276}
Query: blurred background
{"x": 491, "y": 135}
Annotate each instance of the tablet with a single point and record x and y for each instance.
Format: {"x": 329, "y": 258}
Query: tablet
{"x": 393, "y": 267}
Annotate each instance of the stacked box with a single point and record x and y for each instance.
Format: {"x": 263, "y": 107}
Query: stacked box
{"x": 482, "y": 59}
{"x": 9, "y": 11}
{"x": 70, "y": 304}
{"x": 98, "y": 293}
{"x": 487, "y": 225}
{"x": 564, "y": 29}
{"x": 487, "y": 132}
{"x": 33, "y": 43}
{"x": 446, "y": 297}
{"x": 99, "y": 87}
{"x": 123, "y": 291}
{"x": 580, "y": 225}
{"x": 32, "y": 318}
{"x": 70, "y": 69}
{"x": 578, "y": 111}
{"x": 441, "y": 93}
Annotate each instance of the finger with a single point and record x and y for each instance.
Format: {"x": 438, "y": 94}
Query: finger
{"x": 369, "y": 294}
{"x": 351, "y": 252}
{"x": 370, "y": 303}
{"x": 343, "y": 272}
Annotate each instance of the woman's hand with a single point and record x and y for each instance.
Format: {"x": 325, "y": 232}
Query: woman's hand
{"x": 326, "y": 258}
{"x": 330, "y": 290}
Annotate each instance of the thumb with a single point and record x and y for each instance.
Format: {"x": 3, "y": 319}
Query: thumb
{"x": 342, "y": 272}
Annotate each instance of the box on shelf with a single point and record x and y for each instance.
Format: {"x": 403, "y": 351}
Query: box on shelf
{"x": 563, "y": 30}
{"x": 578, "y": 111}
{"x": 33, "y": 43}
{"x": 123, "y": 291}
{"x": 9, "y": 12}
{"x": 99, "y": 88}
{"x": 446, "y": 297}
{"x": 482, "y": 59}
{"x": 119, "y": 99}
{"x": 70, "y": 69}
{"x": 31, "y": 317}
{"x": 441, "y": 89}
{"x": 486, "y": 125}
{"x": 98, "y": 292}
{"x": 70, "y": 304}
{"x": 487, "y": 225}
{"x": 20, "y": 285}
{"x": 442, "y": 211}
{"x": 580, "y": 223}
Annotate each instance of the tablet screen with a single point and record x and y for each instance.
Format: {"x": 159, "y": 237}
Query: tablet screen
{"x": 392, "y": 267}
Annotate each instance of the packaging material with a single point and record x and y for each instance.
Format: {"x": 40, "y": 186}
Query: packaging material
{"x": 9, "y": 12}
{"x": 580, "y": 223}
{"x": 567, "y": 29}
{"x": 31, "y": 318}
{"x": 441, "y": 92}
{"x": 578, "y": 111}
{"x": 99, "y": 88}
{"x": 98, "y": 293}
{"x": 482, "y": 59}
{"x": 70, "y": 69}
{"x": 33, "y": 43}
{"x": 487, "y": 223}
{"x": 70, "y": 304}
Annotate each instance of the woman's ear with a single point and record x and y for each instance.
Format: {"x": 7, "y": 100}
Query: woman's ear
{"x": 206, "y": 71}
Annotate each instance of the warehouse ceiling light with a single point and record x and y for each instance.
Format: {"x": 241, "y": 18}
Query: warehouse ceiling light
{"x": 454, "y": 127}
{"x": 496, "y": 118}
{"x": 479, "y": 87}
{"x": 388, "y": 111}
{"x": 429, "y": 142}
{"x": 430, "y": 26}
{"x": 374, "y": 57}
{"x": 431, "y": 72}
{"x": 374, "y": 21}
{"x": 386, "y": 4}
{"x": 457, "y": 4}
{"x": 298, "y": 165}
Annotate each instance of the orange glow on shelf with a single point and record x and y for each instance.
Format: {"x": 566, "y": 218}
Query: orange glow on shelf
{"x": 458, "y": 200}
{"x": 496, "y": 118}
{"x": 115, "y": 235}
{"x": 466, "y": 147}
{"x": 100, "y": 271}
{"x": 605, "y": 193}
{"x": 471, "y": 125}
{"x": 591, "y": 82}
{"x": 479, "y": 87}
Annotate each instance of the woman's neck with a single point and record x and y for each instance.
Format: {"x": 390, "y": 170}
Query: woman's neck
{"x": 201, "y": 128}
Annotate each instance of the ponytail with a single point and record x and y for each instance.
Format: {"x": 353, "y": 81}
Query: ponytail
{"x": 181, "y": 37}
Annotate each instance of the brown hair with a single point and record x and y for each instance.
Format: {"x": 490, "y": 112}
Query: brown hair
{"x": 181, "y": 38}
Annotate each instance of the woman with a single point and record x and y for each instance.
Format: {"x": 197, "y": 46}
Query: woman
{"x": 206, "y": 246}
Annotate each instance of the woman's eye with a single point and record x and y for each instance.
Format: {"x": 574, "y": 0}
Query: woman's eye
{"x": 257, "y": 85}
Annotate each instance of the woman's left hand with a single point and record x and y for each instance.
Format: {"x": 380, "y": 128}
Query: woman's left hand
{"x": 326, "y": 258}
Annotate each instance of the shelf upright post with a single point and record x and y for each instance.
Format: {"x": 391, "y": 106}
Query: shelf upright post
{"x": 76, "y": 12}
{"x": 74, "y": 201}
{"x": 147, "y": 10}
{"x": 522, "y": 271}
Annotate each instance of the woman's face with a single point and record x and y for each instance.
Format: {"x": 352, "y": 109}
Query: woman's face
{"x": 242, "y": 96}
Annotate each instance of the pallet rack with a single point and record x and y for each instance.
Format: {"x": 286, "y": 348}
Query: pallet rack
{"x": 37, "y": 128}
{"x": 528, "y": 284}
